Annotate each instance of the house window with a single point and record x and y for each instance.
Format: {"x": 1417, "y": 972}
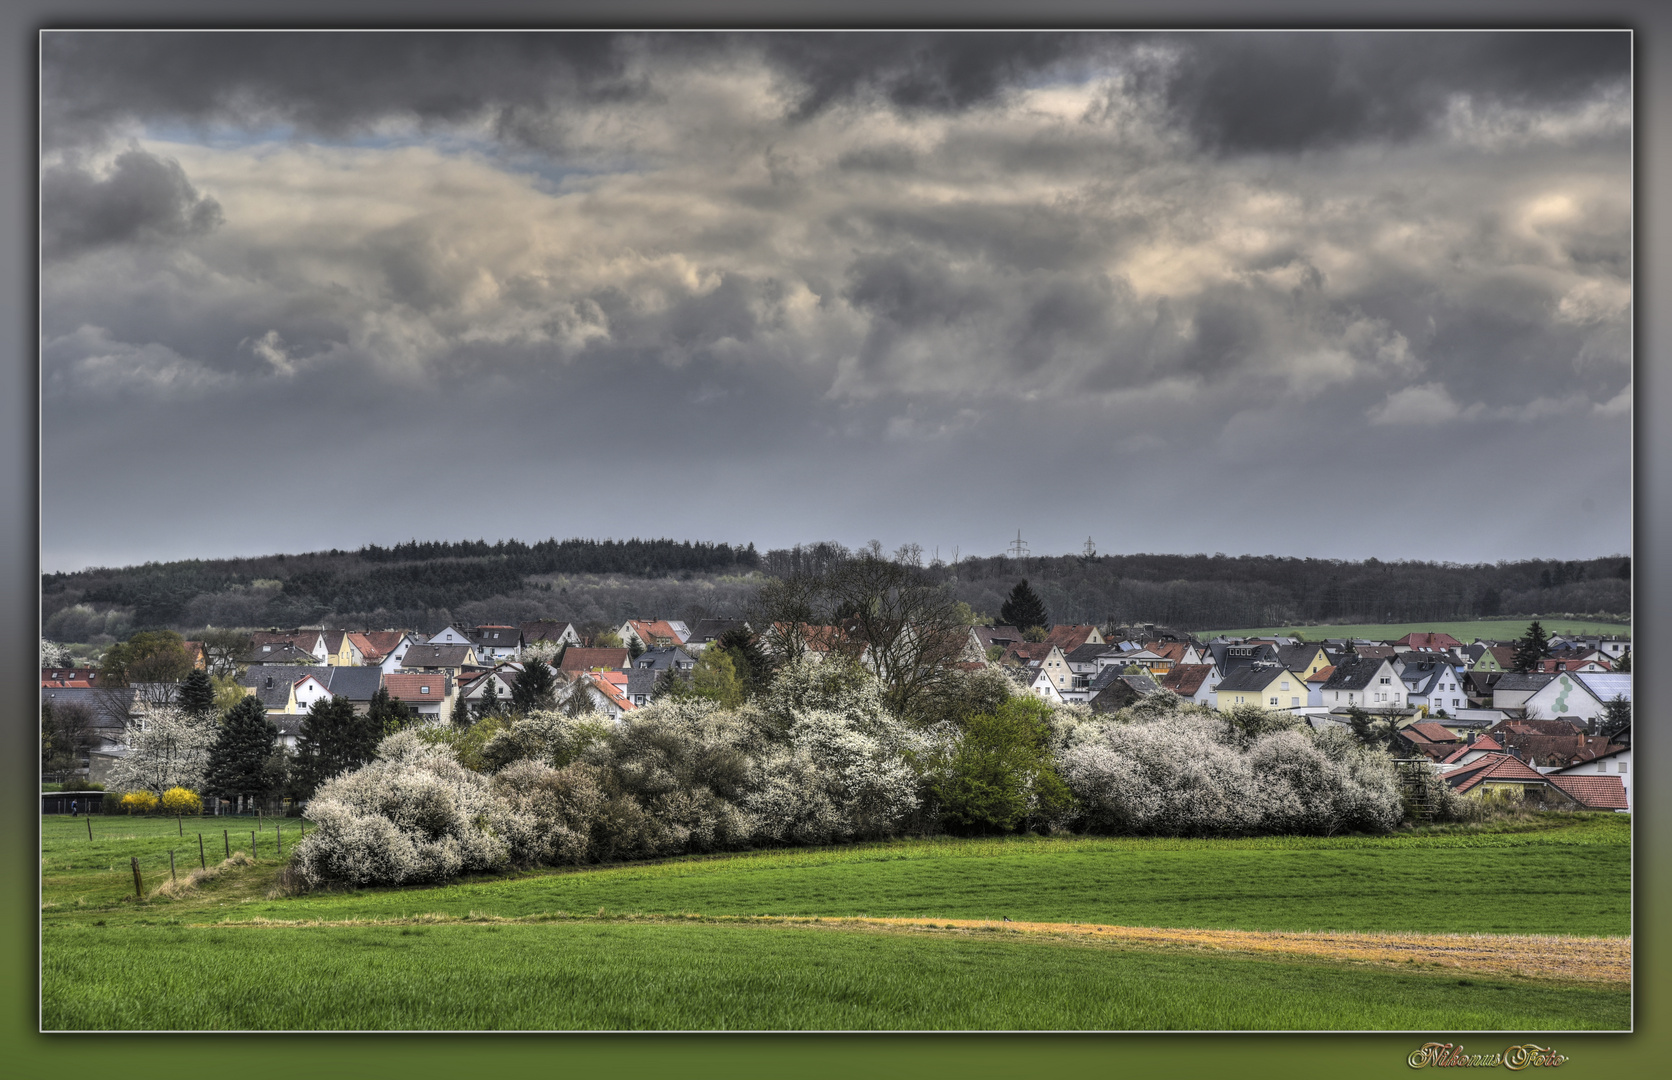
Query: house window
{"x": 1294, "y": 702}
{"x": 1285, "y": 685}
{"x": 423, "y": 689}
{"x": 1386, "y": 679}
{"x": 1274, "y": 701}
{"x": 1602, "y": 766}
{"x": 1622, "y": 767}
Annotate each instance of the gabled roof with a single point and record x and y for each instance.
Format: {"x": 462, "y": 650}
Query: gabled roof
{"x": 1593, "y": 792}
{"x": 437, "y": 656}
{"x": 1086, "y": 654}
{"x": 1254, "y": 677}
{"x": 642, "y": 681}
{"x": 1186, "y": 679}
{"x": 613, "y": 690}
{"x": 1606, "y": 685}
{"x": 278, "y": 654}
{"x": 1297, "y": 657}
{"x": 708, "y": 630}
{"x": 306, "y": 640}
{"x": 1485, "y": 745}
{"x": 577, "y": 659}
{"x": 544, "y": 630}
{"x": 1432, "y": 732}
{"x": 1031, "y": 652}
{"x": 354, "y": 683}
{"x": 1355, "y": 673}
{"x": 1429, "y": 641}
{"x": 1070, "y": 637}
{"x": 1515, "y": 680}
{"x": 996, "y": 635}
{"x": 1501, "y": 767}
{"x": 1321, "y": 676}
{"x": 662, "y": 657}
{"x": 649, "y": 630}
{"x": 409, "y": 687}
{"x": 1381, "y": 652}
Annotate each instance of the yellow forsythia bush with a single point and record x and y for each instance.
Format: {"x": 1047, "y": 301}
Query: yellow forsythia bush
{"x": 139, "y": 802}
{"x": 179, "y": 800}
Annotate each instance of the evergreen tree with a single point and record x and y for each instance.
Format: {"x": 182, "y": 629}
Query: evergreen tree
{"x": 1616, "y": 716}
{"x": 534, "y": 687}
{"x": 1531, "y": 647}
{"x": 753, "y": 666}
{"x": 460, "y": 716}
{"x": 386, "y": 713}
{"x": 1623, "y": 664}
{"x": 1024, "y": 609}
{"x": 241, "y": 760}
{"x": 333, "y": 739}
{"x": 196, "y": 696}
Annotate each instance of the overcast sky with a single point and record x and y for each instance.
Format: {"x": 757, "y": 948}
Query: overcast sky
{"x": 1290, "y": 293}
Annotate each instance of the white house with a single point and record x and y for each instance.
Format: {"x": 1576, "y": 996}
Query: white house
{"x": 1617, "y": 764}
{"x": 451, "y": 635}
{"x": 1367, "y": 682}
{"x": 1576, "y": 696}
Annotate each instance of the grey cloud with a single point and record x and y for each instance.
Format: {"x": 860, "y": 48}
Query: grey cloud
{"x": 1284, "y": 92}
{"x": 142, "y": 197}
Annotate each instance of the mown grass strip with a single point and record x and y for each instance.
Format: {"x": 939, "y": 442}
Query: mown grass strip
{"x": 669, "y": 975}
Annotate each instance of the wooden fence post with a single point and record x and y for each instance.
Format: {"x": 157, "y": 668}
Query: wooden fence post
{"x": 278, "y": 835}
{"x": 89, "y": 826}
{"x": 139, "y": 889}
{"x": 226, "y": 838}
{"x": 180, "y": 823}
{"x": 171, "y": 876}
{"x": 202, "y": 859}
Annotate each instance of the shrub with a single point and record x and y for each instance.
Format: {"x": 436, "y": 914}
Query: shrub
{"x": 997, "y": 774}
{"x": 139, "y": 802}
{"x": 834, "y": 777}
{"x": 1192, "y": 775}
{"x": 413, "y": 815}
{"x": 181, "y": 801}
{"x": 545, "y": 815}
{"x": 549, "y": 736}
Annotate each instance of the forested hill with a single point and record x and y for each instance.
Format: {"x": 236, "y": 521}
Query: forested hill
{"x": 400, "y": 585}
{"x": 601, "y": 582}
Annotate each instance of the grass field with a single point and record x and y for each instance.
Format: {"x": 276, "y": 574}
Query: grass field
{"x": 676, "y": 944}
{"x": 1466, "y": 632}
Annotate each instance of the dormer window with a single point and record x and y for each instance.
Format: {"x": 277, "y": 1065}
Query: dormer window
{"x": 423, "y": 689}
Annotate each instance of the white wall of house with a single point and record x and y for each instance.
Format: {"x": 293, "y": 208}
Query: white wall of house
{"x": 1564, "y": 696}
{"x": 1614, "y": 765}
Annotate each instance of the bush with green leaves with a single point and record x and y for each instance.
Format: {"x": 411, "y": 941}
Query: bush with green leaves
{"x": 995, "y": 772}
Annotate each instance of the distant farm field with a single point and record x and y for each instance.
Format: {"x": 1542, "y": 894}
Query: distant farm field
{"x": 909, "y": 934}
{"x": 1466, "y": 632}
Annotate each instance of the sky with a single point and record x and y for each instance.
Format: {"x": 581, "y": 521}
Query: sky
{"x": 1334, "y": 295}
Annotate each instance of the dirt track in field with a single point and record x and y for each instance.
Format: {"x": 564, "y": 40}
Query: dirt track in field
{"x": 1542, "y": 957}
{"x": 1581, "y": 959}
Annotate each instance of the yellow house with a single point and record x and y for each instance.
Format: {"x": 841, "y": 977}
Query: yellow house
{"x": 1268, "y": 686}
{"x": 1305, "y": 660}
{"x": 340, "y": 650}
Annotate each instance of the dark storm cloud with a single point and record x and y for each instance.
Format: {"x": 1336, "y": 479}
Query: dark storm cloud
{"x": 322, "y": 83}
{"x": 1283, "y": 92}
{"x": 142, "y": 197}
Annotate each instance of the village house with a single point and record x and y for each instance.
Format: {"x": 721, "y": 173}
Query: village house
{"x": 641, "y": 634}
{"x": 1193, "y": 682}
{"x": 1366, "y": 682}
{"x": 496, "y": 642}
{"x": 1581, "y": 698}
{"x": 1269, "y": 686}
{"x": 1511, "y": 690}
{"x": 579, "y": 659}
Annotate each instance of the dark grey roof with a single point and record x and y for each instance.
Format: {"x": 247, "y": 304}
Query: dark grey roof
{"x": 996, "y": 635}
{"x": 1515, "y": 680}
{"x": 708, "y": 630}
{"x": 278, "y": 654}
{"x": 544, "y": 630}
{"x": 1087, "y": 654}
{"x": 355, "y": 683}
{"x": 1251, "y": 677}
{"x": 663, "y": 657}
{"x": 641, "y": 680}
{"x": 435, "y": 656}
{"x": 496, "y": 637}
{"x": 272, "y": 683}
{"x": 1354, "y": 674}
{"x": 1295, "y": 657}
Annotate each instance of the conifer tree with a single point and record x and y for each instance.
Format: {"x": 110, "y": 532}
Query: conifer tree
{"x": 196, "y": 697}
{"x": 534, "y": 687}
{"x": 333, "y": 739}
{"x": 387, "y": 713}
{"x": 241, "y": 760}
{"x": 1024, "y": 609}
{"x": 1530, "y": 648}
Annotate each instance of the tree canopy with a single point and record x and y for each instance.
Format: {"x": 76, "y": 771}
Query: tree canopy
{"x": 1023, "y": 609}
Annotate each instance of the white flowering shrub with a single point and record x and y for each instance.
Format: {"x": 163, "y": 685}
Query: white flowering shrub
{"x": 547, "y": 735}
{"x": 836, "y": 776}
{"x": 545, "y": 815}
{"x": 833, "y": 686}
{"x": 413, "y": 815}
{"x": 1190, "y": 775}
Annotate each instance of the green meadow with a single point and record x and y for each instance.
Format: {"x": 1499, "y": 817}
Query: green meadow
{"x": 1466, "y": 632}
{"x": 661, "y": 945}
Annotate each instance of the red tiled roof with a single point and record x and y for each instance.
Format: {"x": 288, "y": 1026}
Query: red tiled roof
{"x": 1485, "y": 743}
{"x": 1432, "y": 642}
{"x": 377, "y": 644}
{"x": 1433, "y": 732}
{"x": 607, "y": 685}
{"x": 1171, "y": 650}
{"x": 1322, "y": 675}
{"x": 1185, "y": 679}
{"x": 650, "y": 631}
{"x": 1070, "y": 638}
{"x": 409, "y": 687}
{"x": 1491, "y": 767}
{"x": 576, "y": 660}
{"x": 1595, "y": 792}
